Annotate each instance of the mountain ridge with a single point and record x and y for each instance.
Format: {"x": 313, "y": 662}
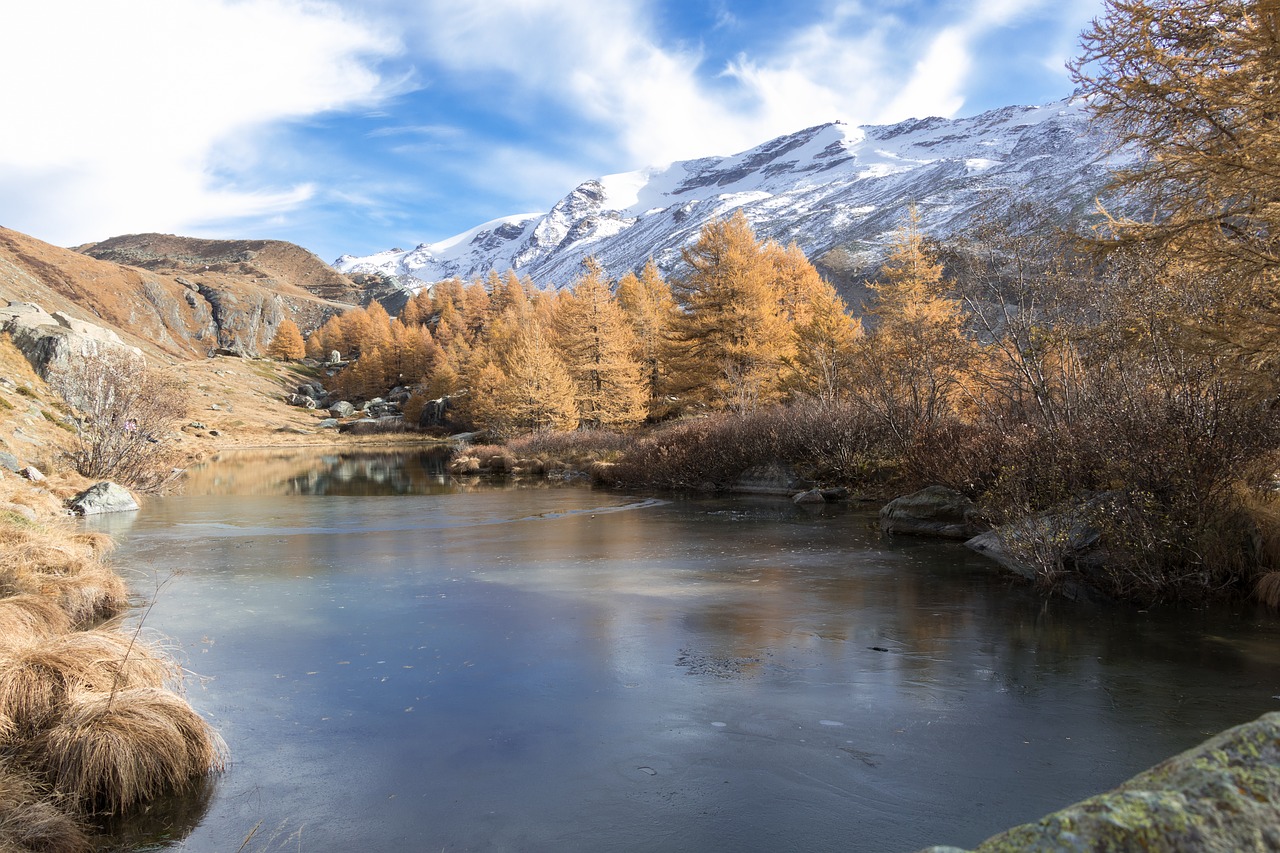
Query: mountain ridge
{"x": 827, "y": 187}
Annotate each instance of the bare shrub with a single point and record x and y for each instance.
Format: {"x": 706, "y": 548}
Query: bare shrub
{"x": 111, "y": 752}
{"x": 831, "y": 443}
{"x": 126, "y": 414}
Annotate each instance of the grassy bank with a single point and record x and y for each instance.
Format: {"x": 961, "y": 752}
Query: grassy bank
{"x": 92, "y": 720}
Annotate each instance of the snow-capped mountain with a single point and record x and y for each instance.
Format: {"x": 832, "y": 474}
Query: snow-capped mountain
{"x": 825, "y": 187}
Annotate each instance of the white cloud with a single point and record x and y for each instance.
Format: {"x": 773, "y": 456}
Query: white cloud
{"x": 116, "y": 113}
{"x": 866, "y": 62}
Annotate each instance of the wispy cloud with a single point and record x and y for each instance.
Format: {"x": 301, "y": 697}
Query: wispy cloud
{"x": 116, "y": 112}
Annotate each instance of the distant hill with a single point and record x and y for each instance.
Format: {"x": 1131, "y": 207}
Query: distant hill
{"x": 838, "y": 191}
{"x": 180, "y": 296}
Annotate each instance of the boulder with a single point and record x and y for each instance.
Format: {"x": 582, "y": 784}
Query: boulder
{"x": 328, "y": 423}
{"x": 342, "y": 409}
{"x": 1223, "y": 795}
{"x": 102, "y": 498}
{"x": 10, "y": 462}
{"x": 932, "y": 511}
{"x": 812, "y": 496}
{"x": 775, "y": 478}
{"x": 1062, "y": 548}
{"x": 300, "y": 400}
{"x": 20, "y": 510}
{"x": 32, "y": 473}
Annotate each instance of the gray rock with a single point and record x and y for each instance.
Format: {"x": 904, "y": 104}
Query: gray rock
{"x": 342, "y": 409}
{"x": 49, "y": 341}
{"x": 1223, "y": 795}
{"x": 300, "y": 400}
{"x": 328, "y": 423}
{"x": 102, "y": 498}
{"x": 776, "y": 478}
{"x": 1061, "y": 549}
{"x": 10, "y": 462}
{"x": 932, "y": 511}
{"x": 812, "y": 496}
{"x": 32, "y": 473}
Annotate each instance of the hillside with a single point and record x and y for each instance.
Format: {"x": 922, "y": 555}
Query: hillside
{"x": 177, "y": 296}
{"x": 838, "y": 191}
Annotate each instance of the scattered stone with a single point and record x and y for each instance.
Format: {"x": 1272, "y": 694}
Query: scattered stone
{"x": 328, "y": 423}
{"x": 103, "y": 497}
{"x": 300, "y": 400}
{"x": 32, "y": 473}
{"x": 10, "y": 462}
{"x": 812, "y": 496}
{"x": 342, "y": 409}
{"x": 196, "y": 425}
{"x": 932, "y": 511}
{"x": 214, "y": 432}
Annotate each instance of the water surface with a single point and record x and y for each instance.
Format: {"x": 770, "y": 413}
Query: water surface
{"x": 402, "y": 662}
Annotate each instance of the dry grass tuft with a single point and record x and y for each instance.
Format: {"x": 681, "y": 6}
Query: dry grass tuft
{"x": 38, "y": 676}
{"x": 90, "y": 596}
{"x": 112, "y": 752}
{"x": 31, "y": 821}
{"x": 28, "y": 615}
{"x": 1267, "y": 590}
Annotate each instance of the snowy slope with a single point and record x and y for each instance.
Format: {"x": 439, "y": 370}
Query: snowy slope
{"x": 823, "y": 187}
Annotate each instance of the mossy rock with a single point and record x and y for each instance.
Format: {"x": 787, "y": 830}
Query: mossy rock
{"x": 1223, "y": 795}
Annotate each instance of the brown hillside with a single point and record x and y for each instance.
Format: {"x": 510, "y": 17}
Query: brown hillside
{"x": 192, "y": 298}
{"x": 267, "y": 261}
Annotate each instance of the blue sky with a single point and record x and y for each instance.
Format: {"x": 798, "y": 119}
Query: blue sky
{"x": 354, "y": 126}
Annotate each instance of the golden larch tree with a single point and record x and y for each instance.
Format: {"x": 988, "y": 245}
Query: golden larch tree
{"x": 287, "y": 343}
{"x": 731, "y": 338}
{"x": 597, "y": 346}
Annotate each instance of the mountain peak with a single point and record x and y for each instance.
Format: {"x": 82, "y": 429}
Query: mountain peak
{"x": 827, "y": 186}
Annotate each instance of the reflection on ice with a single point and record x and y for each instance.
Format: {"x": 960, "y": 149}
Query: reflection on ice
{"x": 561, "y": 669}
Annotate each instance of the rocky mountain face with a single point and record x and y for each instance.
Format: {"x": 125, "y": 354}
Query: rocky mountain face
{"x": 176, "y": 296}
{"x": 840, "y": 192}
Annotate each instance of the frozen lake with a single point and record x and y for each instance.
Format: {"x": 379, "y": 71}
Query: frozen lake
{"x": 399, "y": 662}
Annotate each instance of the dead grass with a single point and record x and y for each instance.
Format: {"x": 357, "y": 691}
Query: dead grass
{"x": 1267, "y": 590}
{"x": 30, "y": 615}
{"x": 38, "y": 676}
{"x": 113, "y": 752}
{"x": 31, "y": 821}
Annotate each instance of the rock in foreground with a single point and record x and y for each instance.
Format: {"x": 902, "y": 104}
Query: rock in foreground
{"x": 1223, "y": 795}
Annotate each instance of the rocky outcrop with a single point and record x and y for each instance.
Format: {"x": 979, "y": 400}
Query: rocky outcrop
{"x": 1223, "y": 795}
{"x": 52, "y": 340}
{"x": 102, "y": 498}
{"x": 932, "y": 511}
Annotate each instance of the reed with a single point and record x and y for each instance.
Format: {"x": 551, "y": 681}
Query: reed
{"x": 111, "y": 752}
